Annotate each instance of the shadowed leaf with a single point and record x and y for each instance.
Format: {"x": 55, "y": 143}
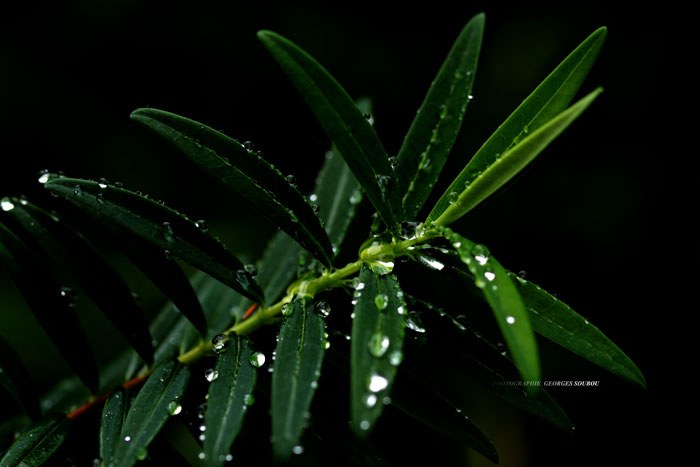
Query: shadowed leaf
{"x": 15, "y": 380}
{"x": 246, "y": 173}
{"x": 37, "y": 444}
{"x": 343, "y": 123}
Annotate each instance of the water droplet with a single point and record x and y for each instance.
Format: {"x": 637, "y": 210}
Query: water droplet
{"x": 6, "y": 204}
{"x": 323, "y": 308}
{"x": 77, "y": 190}
{"x": 430, "y": 262}
{"x": 480, "y": 254}
{"x": 118, "y": 184}
{"x": 526, "y": 130}
{"x": 382, "y": 301}
{"x": 251, "y": 269}
{"x": 470, "y": 97}
{"x": 383, "y": 181}
{"x": 127, "y": 438}
{"x": 202, "y": 428}
{"x": 370, "y": 400}
{"x": 313, "y": 197}
{"x": 44, "y": 176}
{"x": 102, "y": 183}
{"x": 378, "y": 344}
{"x": 168, "y": 254}
{"x": 287, "y": 309}
{"x": 395, "y": 357}
{"x": 443, "y": 111}
{"x": 298, "y": 450}
{"x": 364, "y": 425}
{"x": 249, "y": 400}
{"x": 414, "y": 326}
{"x": 453, "y": 197}
{"x": 174, "y": 408}
{"x": 211, "y": 374}
{"x": 257, "y": 359}
{"x": 409, "y": 229}
{"x": 166, "y": 230}
{"x": 219, "y": 343}
{"x": 291, "y": 179}
{"x": 202, "y": 225}
{"x": 490, "y": 276}
{"x": 377, "y": 382}
{"x": 510, "y": 319}
{"x": 200, "y": 410}
{"x": 355, "y": 197}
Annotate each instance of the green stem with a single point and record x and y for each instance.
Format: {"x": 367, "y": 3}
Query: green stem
{"x": 379, "y": 253}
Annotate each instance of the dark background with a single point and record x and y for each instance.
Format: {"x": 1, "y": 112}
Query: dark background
{"x": 585, "y": 222}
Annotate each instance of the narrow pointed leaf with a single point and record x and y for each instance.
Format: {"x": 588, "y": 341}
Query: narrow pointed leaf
{"x": 114, "y": 414}
{"x": 94, "y": 275}
{"x": 47, "y": 302}
{"x": 472, "y": 187}
{"x": 547, "y": 101}
{"x": 338, "y": 195}
{"x": 505, "y": 301}
{"x": 439, "y": 119}
{"x": 37, "y": 444}
{"x": 278, "y": 266}
{"x": 16, "y": 381}
{"x": 479, "y": 358}
{"x": 297, "y": 367}
{"x": 246, "y": 173}
{"x": 556, "y": 321}
{"x": 161, "y": 226}
{"x": 155, "y": 403}
{"x": 343, "y": 123}
{"x": 230, "y": 394}
{"x": 418, "y": 399}
{"x": 376, "y": 346}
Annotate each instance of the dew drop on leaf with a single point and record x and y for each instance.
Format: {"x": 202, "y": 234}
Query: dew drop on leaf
{"x": 395, "y": 357}
{"x": 378, "y": 344}
{"x": 323, "y": 308}
{"x": 287, "y": 309}
{"x": 102, "y": 183}
{"x": 257, "y": 359}
{"x": 174, "y": 408}
{"x": 377, "y": 383}
{"x": 370, "y": 400}
{"x": 382, "y": 301}
{"x": 249, "y": 400}
{"x": 6, "y": 204}
{"x": 211, "y": 374}
{"x": 202, "y": 225}
{"x": 219, "y": 343}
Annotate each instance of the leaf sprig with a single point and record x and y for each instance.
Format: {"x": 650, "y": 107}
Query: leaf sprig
{"x": 217, "y": 313}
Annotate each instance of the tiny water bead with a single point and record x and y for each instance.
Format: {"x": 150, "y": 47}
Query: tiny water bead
{"x": 202, "y": 225}
{"x": 257, "y": 359}
{"x": 370, "y": 400}
{"x": 77, "y": 190}
{"x": 166, "y": 231}
{"x": 382, "y": 301}
{"x": 174, "y": 408}
{"x": 251, "y": 269}
{"x": 377, "y": 383}
{"x": 510, "y": 319}
{"x": 44, "y": 176}
{"x": 219, "y": 343}
{"x": 249, "y": 400}
{"x": 127, "y": 438}
{"x": 378, "y": 344}
{"x": 395, "y": 357}
{"x": 211, "y": 374}
{"x": 298, "y": 450}
{"x": 364, "y": 425}
{"x": 287, "y": 309}
{"x": 323, "y": 308}
{"x": 453, "y": 197}
{"x": 6, "y": 204}
{"x": 102, "y": 183}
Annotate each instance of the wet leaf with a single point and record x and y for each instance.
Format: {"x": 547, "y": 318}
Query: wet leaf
{"x": 37, "y": 444}
{"x": 343, "y": 123}
{"x": 297, "y": 367}
{"x": 439, "y": 119}
{"x": 245, "y": 172}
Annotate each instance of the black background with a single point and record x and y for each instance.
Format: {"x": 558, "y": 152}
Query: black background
{"x": 586, "y": 221}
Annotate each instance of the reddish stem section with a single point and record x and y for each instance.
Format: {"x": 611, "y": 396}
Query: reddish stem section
{"x": 250, "y": 310}
{"x": 99, "y": 400}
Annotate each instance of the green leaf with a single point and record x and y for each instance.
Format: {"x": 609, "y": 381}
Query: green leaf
{"x": 228, "y": 399}
{"x": 439, "y": 119}
{"x": 376, "y": 346}
{"x": 246, "y": 173}
{"x": 554, "y": 319}
{"x": 338, "y": 195}
{"x": 37, "y": 444}
{"x": 155, "y": 403}
{"x": 278, "y": 266}
{"x": 297, "y": 367}
{"x": 343, "y": 123}
{"x": 474, "y": 355}
{"x": 16, "y": 381}
{"x": 547, "y": 101}
{"x": 505, "y": 301}
{"x": 161, "y": 226}
{"x": 94, "y": 275}
{"x": 421, "y": 401}
{"x": 50, "y": 305}
{"x": 113, "y": 416}
{"x": 476, "y": 186}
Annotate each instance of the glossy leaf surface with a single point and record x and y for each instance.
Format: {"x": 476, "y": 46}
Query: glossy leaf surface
{"x": 556, "y": 321}
{"x": 547, "y": 101}
{"x": 37, "y": 444}
{"x": 114, "y": 414}
{"x": 439, "y": 119}
{"x": 153, "y": 405}
{"x": 160, "y": 226}
{"x": 343, "y": 123}
{"x": 297, "y": 367}
{"x": 246, "y": 173}
{"x": 376, "y": 346}
{"x": 229, "y": 396}
{"x": 105, "y": 287}
{"x": 505, "y": 301}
